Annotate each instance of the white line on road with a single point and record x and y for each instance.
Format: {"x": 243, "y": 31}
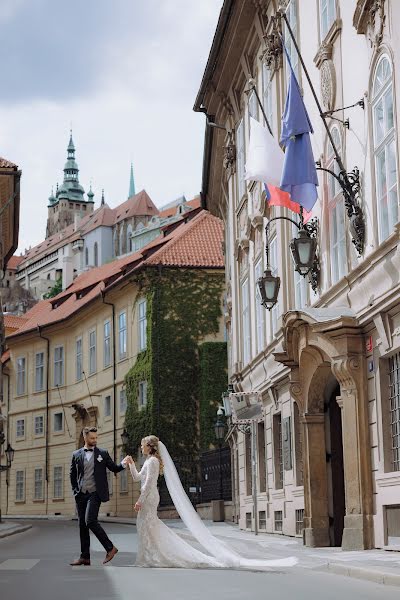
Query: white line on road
{"x": 19, "y": 564}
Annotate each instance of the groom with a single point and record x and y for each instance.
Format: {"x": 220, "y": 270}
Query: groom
{"x": 90, "y": 487}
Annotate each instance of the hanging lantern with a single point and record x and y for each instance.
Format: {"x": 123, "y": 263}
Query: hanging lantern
{"x": 269, "y": 286}
{"x": 303, "y": 249}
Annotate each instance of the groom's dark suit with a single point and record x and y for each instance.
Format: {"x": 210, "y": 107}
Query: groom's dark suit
{"x": 88, "y": 501}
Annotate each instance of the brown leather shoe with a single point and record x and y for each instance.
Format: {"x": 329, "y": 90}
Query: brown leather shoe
{"x": 110, "y": 555}
{"x": 80, "y": 561}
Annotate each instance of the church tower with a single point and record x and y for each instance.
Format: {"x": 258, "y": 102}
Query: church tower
{"x": 69, "y": 199}
{"x": 132, "y": 191}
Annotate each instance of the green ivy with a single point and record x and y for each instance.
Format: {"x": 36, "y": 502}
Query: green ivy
{"x": 55, "y": 290}
{"x": 183, "y": 309}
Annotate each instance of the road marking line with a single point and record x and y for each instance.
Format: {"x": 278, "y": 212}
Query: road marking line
{"x": 19, "y": 564}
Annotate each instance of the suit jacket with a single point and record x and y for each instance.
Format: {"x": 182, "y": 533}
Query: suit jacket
{"x": 102, "y": 460}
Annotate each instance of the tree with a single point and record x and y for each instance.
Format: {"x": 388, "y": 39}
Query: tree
{"x": 55, "y": 290}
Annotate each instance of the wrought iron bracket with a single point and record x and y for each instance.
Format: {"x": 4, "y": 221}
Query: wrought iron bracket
{"x": 243, "y": 427}
{"x": 350, "y": 184}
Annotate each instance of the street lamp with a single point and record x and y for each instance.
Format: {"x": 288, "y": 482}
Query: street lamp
{"x": 303, "y": 250}
{"x": 10, "y": 454}
{"x": 219, "y": 429}
{"x": 269, "y": 286}
{"x": 125, "y": 438}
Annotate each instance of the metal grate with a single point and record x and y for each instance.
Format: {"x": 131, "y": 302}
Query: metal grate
{"x": 299, "y": 521}
{"x": 262, "y": 519}
{"x": 278, "y": 520}
{"x": 248, "y": 520}
{"x": 394, "y": 405}
{"x": 279, "y": 452}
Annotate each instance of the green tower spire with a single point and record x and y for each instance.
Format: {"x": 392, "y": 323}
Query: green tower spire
{"x": 131, "y": 184}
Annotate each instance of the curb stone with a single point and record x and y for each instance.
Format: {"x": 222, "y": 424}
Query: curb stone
{"x": 14, "y": 530}
{"x": 360, "y": 573}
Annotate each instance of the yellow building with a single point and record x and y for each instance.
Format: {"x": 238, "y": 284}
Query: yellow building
{"x": 66, "y": 368}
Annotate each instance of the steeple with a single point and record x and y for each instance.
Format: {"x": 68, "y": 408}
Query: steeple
{"x": 71, "y": 188}
{"x": 131, "y": 184}
{"x": 102, "y": 198}
{"x": 90, "y": 194}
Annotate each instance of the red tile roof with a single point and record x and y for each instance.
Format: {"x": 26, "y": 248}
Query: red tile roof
{"x": 14, "y": 262}
{"x": 14, "y": 321}
{"x": 169, "y": 212}
{"x": 5, "y": 356}
{"x": 138, "y": 205}
{"x": 196, "y": 243}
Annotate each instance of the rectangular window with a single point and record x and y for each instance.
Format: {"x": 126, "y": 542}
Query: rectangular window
{"x": 142, "y": 325}
{"x": 142, "y": 400}
{"x": 338, "y": 240}
{"x": 291, "y": 14}
{"x": 58, "y": 422}
{"x": 278, "y": 454}
{"x": 122, "y": 335}
{"x": 38, "y": 491}
{"x": 21, "y": 375}
{"x": 58, "y": 366}
{"x": 248, "y": 520}
{"x": 39, "y": 371}
{"x": 253, "y": 105}
{"x": 240, "y": 160}
{"x": 79, "y": 365}
{"x": 246, "y": 348}
{"x": 298, "y": 445}
{"x": 20, "y": 428}
{"x": 107, "y": 343}
{"x": 278, "y": 520}
{"x": 39, "y": 425}
{"x": 107, "y": 406}
{"x": 249, "y": 474}
{"x": 262, "y": 474}
{"x": 122, "y": 402}
{"x": 394, "y": 407}
{"x": 260, "y": 310}
{"x": 92, "y": 352}
{"x": 58, "y": 483}
{"x": 123, "y": 479}
{"x": 327, "y": 11}
{"x": 262, "y": 520}
{"x": 267, "y": 96}
{"x": 299, "y": 521}
{"x": 20, "y": 486}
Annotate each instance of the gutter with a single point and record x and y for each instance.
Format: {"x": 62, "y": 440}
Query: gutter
{"x": 103, "y": 294}
{"x": 47, "y": 414}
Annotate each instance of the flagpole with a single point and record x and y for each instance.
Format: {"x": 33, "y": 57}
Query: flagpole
{"x": 254, "y": 89}
{"x": 321, "y": 112}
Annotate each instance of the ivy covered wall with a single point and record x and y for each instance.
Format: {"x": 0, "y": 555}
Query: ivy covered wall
{"x": 185, "y": 372}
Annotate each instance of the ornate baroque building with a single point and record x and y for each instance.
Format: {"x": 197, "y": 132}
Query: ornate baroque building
{"x": 326, "y": 358}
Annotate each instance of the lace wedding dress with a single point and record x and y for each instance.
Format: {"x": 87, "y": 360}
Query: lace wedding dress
{"x": 160, "y": 546}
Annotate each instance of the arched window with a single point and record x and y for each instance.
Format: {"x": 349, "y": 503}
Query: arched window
{"x": 384, "y": 148}
{"x": 114, "y": 250}
{"x": 337, "y": 229}
{"x": 121, "y": 239}
{"x": 129, "y": 241}
{"x": 86, "y": 256}
{"x": 96, "y": 255}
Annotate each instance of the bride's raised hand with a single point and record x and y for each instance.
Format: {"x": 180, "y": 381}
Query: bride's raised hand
{"x": 138, "y": 506}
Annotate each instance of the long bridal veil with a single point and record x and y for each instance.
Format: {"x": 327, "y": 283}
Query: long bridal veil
{"x": 224, "y": 555}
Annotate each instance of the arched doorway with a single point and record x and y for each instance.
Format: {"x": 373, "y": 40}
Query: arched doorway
{"x": 334, "y": 464}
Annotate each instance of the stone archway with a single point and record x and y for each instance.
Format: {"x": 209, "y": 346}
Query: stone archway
{"x": 324, "y": 348}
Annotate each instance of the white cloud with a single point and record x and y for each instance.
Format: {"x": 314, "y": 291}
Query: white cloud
{"x": 138, "y": 105}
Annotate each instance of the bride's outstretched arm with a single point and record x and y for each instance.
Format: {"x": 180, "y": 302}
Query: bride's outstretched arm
{"x": 136, "y": 475}
{"x": 152, "y": 471}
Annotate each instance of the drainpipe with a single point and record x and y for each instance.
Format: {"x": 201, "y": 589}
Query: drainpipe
{"x": 114, "y": 373}
{"x": 47, "y": 415}
{"x": 8, "y": 437}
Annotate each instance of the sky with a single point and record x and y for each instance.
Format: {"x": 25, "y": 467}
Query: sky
{"x": 124, "y": 74}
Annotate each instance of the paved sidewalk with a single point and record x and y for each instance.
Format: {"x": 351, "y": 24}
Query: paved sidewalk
{"x": 10, "y": 528}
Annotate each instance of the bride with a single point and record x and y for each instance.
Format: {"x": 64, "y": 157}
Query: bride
{"x": 160, "y": 546}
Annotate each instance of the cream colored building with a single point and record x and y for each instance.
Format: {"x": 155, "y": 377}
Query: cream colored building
{"x": 327, "y": 362}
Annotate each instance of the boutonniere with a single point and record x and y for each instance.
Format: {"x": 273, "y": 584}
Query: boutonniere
{"x": 100, "y": 458}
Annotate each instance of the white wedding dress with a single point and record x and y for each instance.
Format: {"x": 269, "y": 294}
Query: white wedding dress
{"x": 160, "y": 546}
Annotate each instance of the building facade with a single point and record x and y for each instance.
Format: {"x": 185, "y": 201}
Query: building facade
{"x": 72, "y": 361}
{"x": 326, "y": 358}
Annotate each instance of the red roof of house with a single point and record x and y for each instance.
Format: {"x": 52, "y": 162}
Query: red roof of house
{"x": 14, "y": 321}
{"x": 14, "y": 262}
{"x": 196, "y": 243}
{"x": 169, "y": 212}
{"x": 138, "y": 205}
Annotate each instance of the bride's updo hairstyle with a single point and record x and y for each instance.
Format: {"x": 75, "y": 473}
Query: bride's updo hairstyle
{"x": 151, "y": 441}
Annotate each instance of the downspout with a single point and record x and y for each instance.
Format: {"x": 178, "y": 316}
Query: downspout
{"x": 47, "y": 415}
{"x": 8, "y": 437}
{"x": 114, "y": 374}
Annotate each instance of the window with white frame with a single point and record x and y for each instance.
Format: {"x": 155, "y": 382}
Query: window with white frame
{"x": 39, "y": 425}
{"x": 58, "y": 422}
{"x": 385, "y": 154}
{"x": 79, "y": 364}
{"x": 142, "y": 312}
{"x": 39, "y": 371}
{"x": 142, "y": 400}
{"x": 267, "y": 96}
{"x": 273, "y": 259}
{"x": 59, "y": 366}
{"x": 394, "y": 410}
{"x": 240, "y": 160}
{"x": 20, "y": 486}
{"x": 122, "y": 402}
{"x": 38, "y": 482}
{"x": 107, "y": 406}
{"x": 291, "y": 14}
{"x": 260, "y": 310}
{"x": 96, "y": 254}
{"x": 20, "y": 428}
{"x": 246, "y": 348}
{"x": 58, "y": 482}
{"x": 107, "y": 343}
{"x": 337, "y": 226}
{"x": 21, "y": 375}
{"x": 122, "y": 335}
{"x": 253, "y": 105}
{"x": 92, "y": 352}
{"x": 327, "y": 15}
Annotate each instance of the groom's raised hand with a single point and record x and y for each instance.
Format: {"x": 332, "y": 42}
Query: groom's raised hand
{"x": 128, "y": 460}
